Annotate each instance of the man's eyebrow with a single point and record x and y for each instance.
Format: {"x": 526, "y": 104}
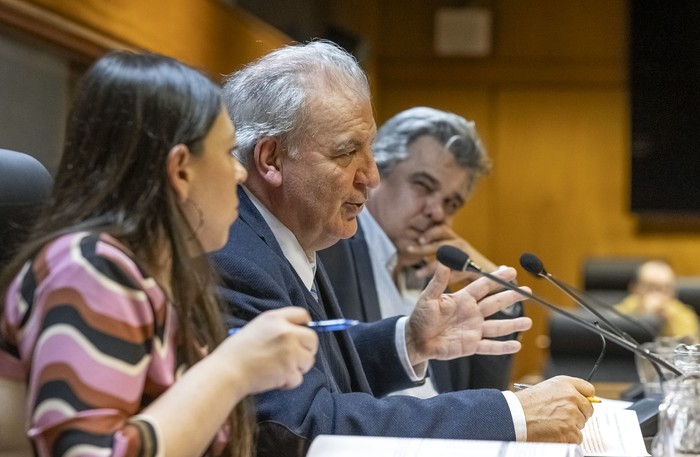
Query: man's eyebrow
{"x": 346, "y": 145}
{"x": 426, "y": 176}
{"x": 436, "y": 182}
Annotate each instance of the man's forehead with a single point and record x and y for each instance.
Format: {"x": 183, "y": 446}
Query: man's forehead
{"x": 655, "y": 272}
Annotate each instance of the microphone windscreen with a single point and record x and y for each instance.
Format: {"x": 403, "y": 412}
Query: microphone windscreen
{"x": 452, "y": 257}
{"x": 532, "y": 264}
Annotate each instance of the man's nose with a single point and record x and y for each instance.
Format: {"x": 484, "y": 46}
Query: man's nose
{"x": 367, "y": 173}
{"x": 434, "y": 208}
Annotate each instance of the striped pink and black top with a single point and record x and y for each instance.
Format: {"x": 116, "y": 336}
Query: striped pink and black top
{"x": 96, "y": 342}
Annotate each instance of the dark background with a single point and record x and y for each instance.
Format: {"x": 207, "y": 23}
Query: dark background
{"x": 665, "y": 106}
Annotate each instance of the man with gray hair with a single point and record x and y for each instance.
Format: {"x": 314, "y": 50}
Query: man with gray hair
{"x": 429, "y": 162}
{"x": 305, "y": 129}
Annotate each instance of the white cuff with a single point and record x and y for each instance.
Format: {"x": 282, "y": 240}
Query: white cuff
{"x": 415, "y": 373}
{"x": 147, "y": 446}
{"x": 518, "y": 415}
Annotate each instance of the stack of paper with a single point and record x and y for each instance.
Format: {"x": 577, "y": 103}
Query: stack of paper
{"x": 612, "y": 431}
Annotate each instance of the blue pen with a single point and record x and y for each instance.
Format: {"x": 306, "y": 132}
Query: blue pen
{"x": 331, "y": 325}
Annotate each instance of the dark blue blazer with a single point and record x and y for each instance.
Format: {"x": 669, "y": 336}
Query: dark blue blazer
{"x": 344, "y": 392}
{"x": 349, "y": 269}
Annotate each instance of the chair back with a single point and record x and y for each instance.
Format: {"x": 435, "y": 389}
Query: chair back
{"x": 25, "y": 184}
{"x": 688, "y": 288}
{"x": 608, "y": 278}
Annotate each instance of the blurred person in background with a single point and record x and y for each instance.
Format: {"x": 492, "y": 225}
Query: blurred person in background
{"x": 653, "y": 292}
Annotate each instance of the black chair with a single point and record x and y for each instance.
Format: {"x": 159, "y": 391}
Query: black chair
{"x": 25, "y": 184}
{"x": 688, "y": 288}
{"x": 608, "y": 278}
{"x": 574, "y": 349}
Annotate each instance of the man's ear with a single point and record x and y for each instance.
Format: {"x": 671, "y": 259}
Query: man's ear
{"x": 268, "y": 155}
{"x": 179, "y": 171}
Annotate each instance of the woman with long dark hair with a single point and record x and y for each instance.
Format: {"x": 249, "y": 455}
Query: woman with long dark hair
{"x": 109, "y": 311}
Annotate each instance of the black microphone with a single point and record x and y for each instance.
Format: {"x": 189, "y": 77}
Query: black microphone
{"x": 457, "y": 259}
{"x": 533, "y": 265}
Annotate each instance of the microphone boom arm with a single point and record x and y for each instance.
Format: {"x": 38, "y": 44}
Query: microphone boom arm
{"x": 610, "y": 336}
{"x": 615, "y": 329}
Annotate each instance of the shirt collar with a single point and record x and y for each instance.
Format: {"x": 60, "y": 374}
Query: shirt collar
{"x": 304, "y": 263}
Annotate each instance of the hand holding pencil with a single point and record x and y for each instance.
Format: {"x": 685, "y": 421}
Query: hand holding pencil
{"x": 557, "y": 409}
{"x": 520, "y": 386}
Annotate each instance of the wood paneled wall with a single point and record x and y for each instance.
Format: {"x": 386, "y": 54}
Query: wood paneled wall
{"x": 204, "y": 33}
{"x": 551, "y": 104}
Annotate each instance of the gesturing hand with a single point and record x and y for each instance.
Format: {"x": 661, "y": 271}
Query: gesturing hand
{"x": 445, "y": 326}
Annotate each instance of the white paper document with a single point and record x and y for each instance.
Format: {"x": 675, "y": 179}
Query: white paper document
{"x": 613, "y": 432}
{"x": 373, "y": 446}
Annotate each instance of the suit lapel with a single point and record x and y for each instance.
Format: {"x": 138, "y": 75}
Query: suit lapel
{"x": 250, "y": 215}
{"x": 349, "y": 374}
{"x": 340, "y": 355}
{"x": 369, "y": 297}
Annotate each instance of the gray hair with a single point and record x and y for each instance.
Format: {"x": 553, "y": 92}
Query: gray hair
{"x": 271, "y": 96}
{"x": 455, "y": 133}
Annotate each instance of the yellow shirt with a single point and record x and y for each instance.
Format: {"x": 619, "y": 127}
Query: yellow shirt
{"x": 680, "y": 320}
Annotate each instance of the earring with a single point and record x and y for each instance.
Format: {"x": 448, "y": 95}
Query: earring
{"x": 200, "y": 217}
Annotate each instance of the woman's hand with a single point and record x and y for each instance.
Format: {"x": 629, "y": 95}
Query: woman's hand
{"x": 274, "y": 350}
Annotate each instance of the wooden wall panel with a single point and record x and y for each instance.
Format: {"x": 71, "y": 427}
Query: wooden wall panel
{"x": 561, "y": 181}
{"x": 564, "y": 31}
{"x": 203, "y": 33}
{"x": 526, "y": 35}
